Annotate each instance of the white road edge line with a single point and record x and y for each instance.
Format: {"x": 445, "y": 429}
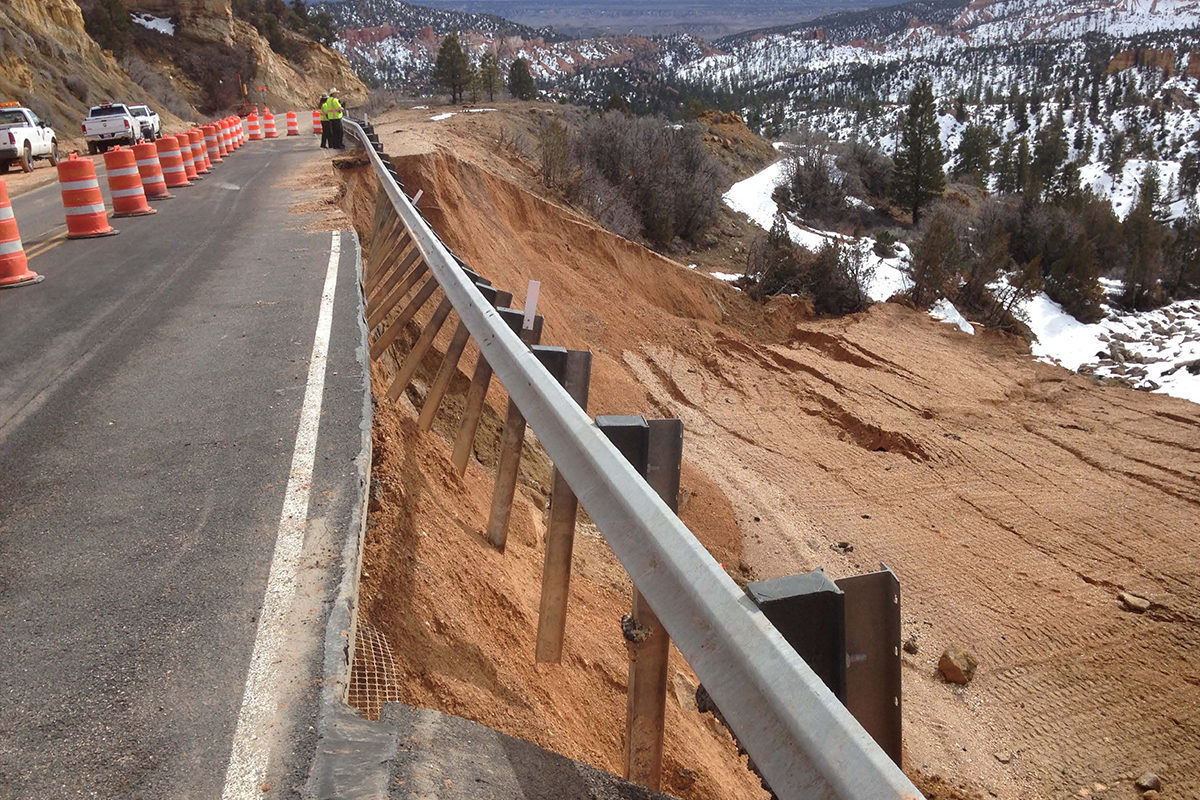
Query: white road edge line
{"x": 248, "y": 759}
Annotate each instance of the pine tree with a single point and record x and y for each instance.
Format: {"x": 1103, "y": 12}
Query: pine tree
{"x": 489, "y": 75}
{"x": 107, "y": 22}
{"x": 452, "y": 68}
{"x": 936, "y": 260}
{"x": 1116, "y": 153}
{"x": 1144, "y": 236}
{"x": 1006, "y": 168}
{"x": 919, "y": 162}
{"x": 520, "y": 80}
{"x": 617, "y": 103}
{"x": 1074, "y": 281}
{"x": 1049, "y": 151}
{"x": 1024, "y": 164}
{"x": 1150, "y": 192}
{"x": 974, "y": 153}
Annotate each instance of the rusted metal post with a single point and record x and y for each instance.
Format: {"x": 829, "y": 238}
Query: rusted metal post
{"x": 655, "y": 449}
{"x": 508, "y": 461}
{"x": 454, "y": 351}
{"x": 560, "y": 529}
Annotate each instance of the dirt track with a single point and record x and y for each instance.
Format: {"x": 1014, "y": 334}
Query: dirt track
{"x": 1013, "y": 499}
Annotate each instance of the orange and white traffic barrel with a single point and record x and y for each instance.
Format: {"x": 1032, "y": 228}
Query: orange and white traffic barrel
{"x": 231, "y": 138}
{"x": 14, "y": 266}
{"x": 210, "y": 141}
{"x": 222, "y": 126}
{"x": 269, "y": 131}
{"x": 150, "y": 170}
{"x": 199, "y": 156}
{"x": 255, "y": 130}
{"x": 185, "y": 153}
{"x": 86, "y": 215}
{"x": 239, "y": 133}
{"x": 293, "y": 123}
{"x": 316, "y": 121}
{"x": 125, "y": 184}
{"x": 172, "y": 162}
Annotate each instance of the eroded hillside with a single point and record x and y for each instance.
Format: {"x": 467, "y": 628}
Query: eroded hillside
{"x": 1015, "y": 501}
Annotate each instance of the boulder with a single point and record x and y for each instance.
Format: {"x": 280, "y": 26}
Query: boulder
{"x": 1132, "y": 602}
{"x": 1148, "y": 782}
{"x": 957, "y": 665}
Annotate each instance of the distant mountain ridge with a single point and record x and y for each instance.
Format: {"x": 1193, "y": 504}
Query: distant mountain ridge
{"x": 359, "y": 14}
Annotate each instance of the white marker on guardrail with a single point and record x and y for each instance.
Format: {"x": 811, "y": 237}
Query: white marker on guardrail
{"x": 531, "y": 297}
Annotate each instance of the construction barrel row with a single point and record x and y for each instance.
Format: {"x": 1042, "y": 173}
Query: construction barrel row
{"x": 136, "y": 175}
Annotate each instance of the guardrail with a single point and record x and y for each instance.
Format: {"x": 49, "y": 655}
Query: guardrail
{"x": 801, "y": 738}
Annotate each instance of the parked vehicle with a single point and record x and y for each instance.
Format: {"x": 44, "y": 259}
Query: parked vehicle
{"x": 24, "y": 138}
{"x": 149, "y": 121}
{"x": 108, "y": 124}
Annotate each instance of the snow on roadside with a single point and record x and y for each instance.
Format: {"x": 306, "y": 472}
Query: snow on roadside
{"x": 160, "y": 24}
{"x": 438, "y": 117}
{"x": 752, "y": 197}
{"x": 1150, "y": 350}
{"x": 1156, "y": 350}
{"x": 945, "y": 311}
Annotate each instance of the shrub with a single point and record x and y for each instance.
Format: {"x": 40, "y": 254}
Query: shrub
{"x": 554, "y": 152}
{"x": 885, "y": 244}
{"x": 107, "y": 22}
{"x": 936, "y": 260}
{"x": 812, "y": 188}
{"x": 835, "y": 278}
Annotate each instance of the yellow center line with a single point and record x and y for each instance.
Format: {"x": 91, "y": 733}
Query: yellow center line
{"x": 48, "y": 244}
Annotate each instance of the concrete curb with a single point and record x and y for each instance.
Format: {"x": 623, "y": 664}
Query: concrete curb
{"x": 342, "y": 621}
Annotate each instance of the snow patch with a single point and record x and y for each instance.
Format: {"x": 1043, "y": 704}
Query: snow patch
{"x": 438, "y": 117}
{"x": 945, "y": 311}
{"x": 161, "y": 24}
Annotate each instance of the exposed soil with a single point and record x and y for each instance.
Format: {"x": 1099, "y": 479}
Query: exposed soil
{"x": 1013, "y": 499}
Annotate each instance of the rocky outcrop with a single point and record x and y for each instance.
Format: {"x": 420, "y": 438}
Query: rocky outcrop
{"x": 198, "y": 20}
{"x": 1144, "y": 57}
{"x": 298, "y": 84}
{"x": 1193, "y": 67}
{"x": 50, "y": 64}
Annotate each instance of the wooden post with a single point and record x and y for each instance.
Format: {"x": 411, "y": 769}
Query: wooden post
{"x": 380, "y": 241}
{"x": 656, "y": 450}
{"x": 385, "y": 259}
{"x": 382, "y": 297}
{"x": 508, "y": 462}
{"x": 560, "y": 529}
{"x": 413, "y": 360}
{"x": 458, "y": 343}
{"x": 380, "y": 345}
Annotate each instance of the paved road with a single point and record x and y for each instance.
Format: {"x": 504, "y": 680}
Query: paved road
{"x": 151, "y": 394}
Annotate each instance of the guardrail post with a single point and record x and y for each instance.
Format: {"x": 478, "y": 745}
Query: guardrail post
{"x": 655, "y": 449}
{"x": 383, "y": 295}
{"x": 392, "y": 331}
{"x": 477, "y": 392}
{"x": 454, "y": 351}
{"x": 391, "y": 242}
{"x": 512, "y": 439}
{"x": 560, "y": 528}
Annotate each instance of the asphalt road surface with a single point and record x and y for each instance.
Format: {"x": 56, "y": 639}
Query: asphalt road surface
{"x": 161, "y": 393}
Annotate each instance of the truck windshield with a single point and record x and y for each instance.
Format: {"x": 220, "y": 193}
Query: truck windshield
{"x": 12, "y": 117}
{"x": 107, "y": 111}
{"x": 138, "y": 111}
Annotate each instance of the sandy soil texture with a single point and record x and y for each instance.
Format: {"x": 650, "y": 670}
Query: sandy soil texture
{"x": 1015, "y": 500}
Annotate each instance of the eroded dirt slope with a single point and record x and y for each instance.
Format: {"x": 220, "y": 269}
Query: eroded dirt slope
{"x": 1013, "y": 499}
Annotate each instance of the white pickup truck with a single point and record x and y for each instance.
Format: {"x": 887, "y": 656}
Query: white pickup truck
{"x": 108, "y": 124}
{"x": 148, "y": 119}
{"x": 24, "y": 138}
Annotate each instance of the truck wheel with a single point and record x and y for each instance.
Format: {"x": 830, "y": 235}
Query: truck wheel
{"x": 53, "y": 152}
{"x": 152, "y": 137}
{"x": 27, "y": 159}
{"x": 93, "y": 149}
{"x": 4, "y": 167}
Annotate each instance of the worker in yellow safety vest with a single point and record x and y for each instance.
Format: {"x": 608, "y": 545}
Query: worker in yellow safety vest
{"x": 321, "y": 117}
{"x": 332, "y": 109}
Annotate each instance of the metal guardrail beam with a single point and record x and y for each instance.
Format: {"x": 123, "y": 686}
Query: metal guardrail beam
{"x": 802, "y": 739}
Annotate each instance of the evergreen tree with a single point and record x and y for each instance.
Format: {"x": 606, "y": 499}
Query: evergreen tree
{"x": 1116, "y": 153}
{"x": 1049, "y": 151}
{"x": 520, "y": 80}
{"x": 452, "y": 69}
{"x": 1074, "y": 281}
{"x": 1023, "y": 165}
{"x": 1144, "y": 236}
{"x": 489, "y": 75}
{"x": 107, "y": 22}
{"x": 617, "y": 103}
{"x": 1189, "y": 173}
{"x": 919, "y": 177}
{"x": 974, "y": 153}
{"x": 936, "y": 260}
{"x": 1006, "y": 168}
{"x": 1150, "y": 192}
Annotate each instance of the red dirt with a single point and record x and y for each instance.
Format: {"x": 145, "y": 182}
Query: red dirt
{"x": 1013, "y": 499}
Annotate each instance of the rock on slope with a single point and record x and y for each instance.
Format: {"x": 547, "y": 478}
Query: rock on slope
{"x": 47, "y": 60}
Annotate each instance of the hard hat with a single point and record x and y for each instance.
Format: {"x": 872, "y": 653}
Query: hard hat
{"x": 333, "y": 91}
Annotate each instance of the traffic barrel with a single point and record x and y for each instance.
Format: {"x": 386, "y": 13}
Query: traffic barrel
{"x": 199, "y": 155}
{"x": 210, "y": 141}
{"x": 150, "y": 170}
{"x": 14, "y": 266}
{"x": 293, "y": 123}
{"x": 86, "y": 215}
{"x": 222, "y": 126}
{"x": 269, "y": 131}
{"x": 255, "y": 130}
{"x": 239, "y": 133}
{"x": 231, "y": 139}
{"x": 185, "y": 153}
{"x": 125, "y": 184}
{"x": 316, "y": 121}
{"x": 172, "y": 162}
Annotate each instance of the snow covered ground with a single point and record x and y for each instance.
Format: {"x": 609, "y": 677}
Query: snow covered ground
{"x": 1156, "y": 351}
{"x": 160, "y": 24}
